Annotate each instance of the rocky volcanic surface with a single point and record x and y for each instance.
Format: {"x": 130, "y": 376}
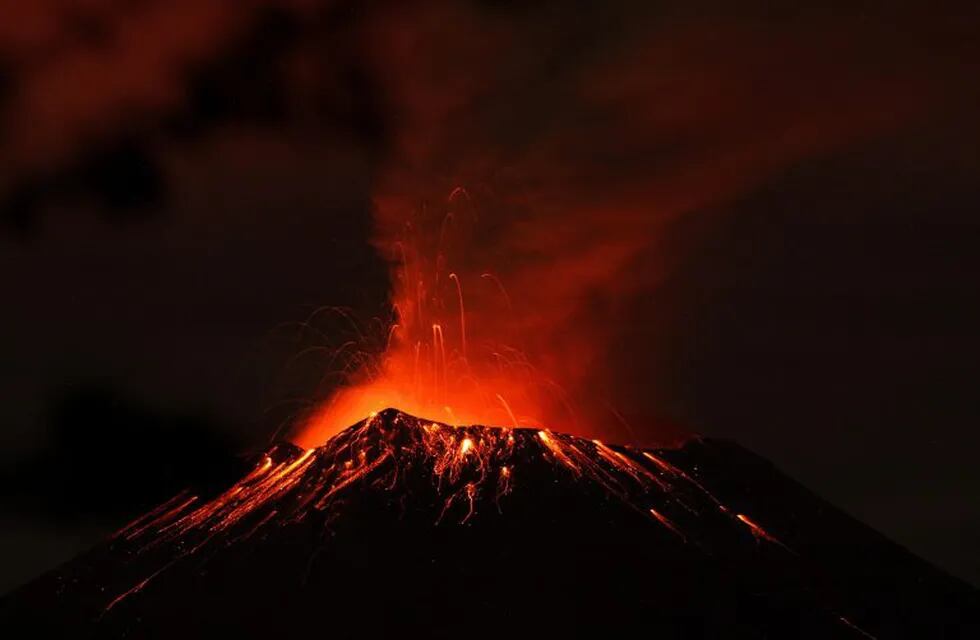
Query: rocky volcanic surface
{"x": 404, "y": 527}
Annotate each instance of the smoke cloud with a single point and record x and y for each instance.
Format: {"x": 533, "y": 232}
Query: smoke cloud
{"x": 578, "y": 140}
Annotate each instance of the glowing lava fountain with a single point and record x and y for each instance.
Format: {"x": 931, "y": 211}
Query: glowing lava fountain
{"x": 452, "y": 350}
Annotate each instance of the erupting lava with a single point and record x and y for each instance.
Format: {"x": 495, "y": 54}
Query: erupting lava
{"x": 440, "y": 359}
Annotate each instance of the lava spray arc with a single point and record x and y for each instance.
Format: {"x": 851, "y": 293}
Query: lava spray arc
{"x": 453, "y": 348}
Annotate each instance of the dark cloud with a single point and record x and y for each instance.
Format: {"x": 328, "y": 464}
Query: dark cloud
{"x": 121, "y": 179}
{"x": 114, "y": 97}
{"x": 247, "y": 82}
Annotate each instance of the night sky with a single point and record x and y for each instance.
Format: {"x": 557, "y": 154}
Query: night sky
{"x": 770, "y": 214}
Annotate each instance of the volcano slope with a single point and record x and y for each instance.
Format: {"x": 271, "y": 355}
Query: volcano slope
{"x": 404, "y": 527}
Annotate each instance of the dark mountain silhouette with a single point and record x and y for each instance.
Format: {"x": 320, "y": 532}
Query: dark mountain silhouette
{"x": 404, "y": 527}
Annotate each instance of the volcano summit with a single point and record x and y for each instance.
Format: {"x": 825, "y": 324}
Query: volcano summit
{"x": 404, "y": 527}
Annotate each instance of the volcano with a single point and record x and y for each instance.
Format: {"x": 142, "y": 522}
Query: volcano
{"x": 399, "y": 526}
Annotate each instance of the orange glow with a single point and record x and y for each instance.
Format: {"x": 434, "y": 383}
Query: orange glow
{"x": 450, "y": 351}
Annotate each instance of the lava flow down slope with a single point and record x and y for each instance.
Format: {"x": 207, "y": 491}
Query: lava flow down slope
{"x": 399, "y": 526}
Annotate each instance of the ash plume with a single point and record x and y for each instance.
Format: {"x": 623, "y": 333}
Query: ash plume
{"x": 539, "y": 162}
